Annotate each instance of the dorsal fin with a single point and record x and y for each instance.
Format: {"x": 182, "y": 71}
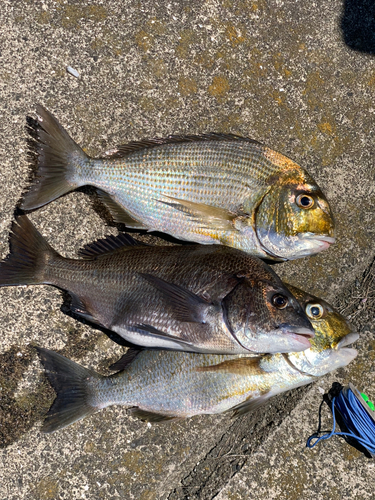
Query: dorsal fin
{"x": 107, "y": 245}
{"x": 126, "y": 149}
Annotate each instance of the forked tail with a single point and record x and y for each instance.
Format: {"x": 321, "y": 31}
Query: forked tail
{"x": 75, "y": 395}
{"x": 57, "y": 159}
{"x": 29, "y": 255}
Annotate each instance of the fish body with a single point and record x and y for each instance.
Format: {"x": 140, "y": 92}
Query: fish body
{"x": 193, "y": 298}
{"x": 159, "y": 385}
{"x": 210, "y": 189}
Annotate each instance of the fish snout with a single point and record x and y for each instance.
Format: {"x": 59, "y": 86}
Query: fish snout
{"x": 347, "y": 340}
{"x": 324, "y": 242}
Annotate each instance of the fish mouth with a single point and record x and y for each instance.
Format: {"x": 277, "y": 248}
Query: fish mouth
{"x": 321, "y": 242}
{"x": 300, "y": 334}
{"x": 347, "y": 340}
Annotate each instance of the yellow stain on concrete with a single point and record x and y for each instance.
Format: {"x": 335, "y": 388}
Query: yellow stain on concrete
{"x": 156, "y": 26}
{"x": 187, "y": 37}
{"x": 46, "y": 489}
{"x": 187, "y": 86}
{"x": 219, "y": 87}
{"x": 144, "y": 40}
{"x": 71, "y": 15}
{"x": 326, "y": 128}
{"x": 234, "y": 35}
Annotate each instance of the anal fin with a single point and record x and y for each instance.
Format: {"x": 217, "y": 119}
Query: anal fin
{"x": 126, "y": 359}
{"x": 117, "y": 211}
{"x": 78, "y": 307}
{"x": 250, "y": 404}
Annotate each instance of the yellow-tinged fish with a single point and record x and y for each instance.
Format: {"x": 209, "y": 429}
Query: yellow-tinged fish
{"x": 197, "y": 298}
{"x": 211, "y": 189}
{"x": 160, "y": 385}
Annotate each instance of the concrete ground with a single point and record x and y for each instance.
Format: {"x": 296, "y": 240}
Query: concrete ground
{"x": 297, "y": 76}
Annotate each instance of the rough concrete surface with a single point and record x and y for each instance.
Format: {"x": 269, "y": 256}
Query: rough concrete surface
{"x": 298, "y": 76}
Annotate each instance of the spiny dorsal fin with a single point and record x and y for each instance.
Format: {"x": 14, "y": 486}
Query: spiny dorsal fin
{"x": 126, "y": 149}
{"x": 118, "y": 213}
{"x": 108, "y": 244}
{"x": 149, "y": 416}
{"x": 239, "y": 366}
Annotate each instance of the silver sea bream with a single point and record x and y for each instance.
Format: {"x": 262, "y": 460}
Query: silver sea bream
{"x": 211, "y": 189}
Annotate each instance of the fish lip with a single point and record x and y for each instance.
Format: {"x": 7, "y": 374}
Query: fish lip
{"x": 350, "y": 338}
{"x": 301, "y": 335}
{"x": 324, "y": 241}
{"x": 301, "y": 339}
{"x": 299, "y": 330}
{"x": 321, "y": 237}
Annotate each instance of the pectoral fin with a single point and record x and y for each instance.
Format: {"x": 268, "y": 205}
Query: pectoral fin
{"x": 207, "y": 215}
{"x": 238, "y": 366}
{"x": 155, "y": 332}
{"x": 186, "y": 305}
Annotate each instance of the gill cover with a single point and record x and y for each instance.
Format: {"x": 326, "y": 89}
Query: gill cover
{"x": 292, "y": 217}
{"x": 260, "y": 321}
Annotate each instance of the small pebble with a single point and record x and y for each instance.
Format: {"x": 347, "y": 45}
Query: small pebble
{"x": 72, "y": 71}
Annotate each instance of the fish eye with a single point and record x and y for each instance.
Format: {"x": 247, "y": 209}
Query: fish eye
{"x": 314, "y": 311}
{"x": 280, "y": 301}
{"x": 305, "y": 201}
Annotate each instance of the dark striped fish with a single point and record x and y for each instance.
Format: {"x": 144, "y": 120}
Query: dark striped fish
{"x": 193, "y": 298}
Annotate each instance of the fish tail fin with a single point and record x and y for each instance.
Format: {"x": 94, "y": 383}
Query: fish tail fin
{"x": 75, "y": 393}
{"x": 29, "y": 255}
{"x": 57, "y": 158}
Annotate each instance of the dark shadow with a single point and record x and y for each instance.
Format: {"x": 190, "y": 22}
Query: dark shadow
{"x": 327, "y": 399}
{"x": 19, "y": 414}
{"x": 358, "y": 25}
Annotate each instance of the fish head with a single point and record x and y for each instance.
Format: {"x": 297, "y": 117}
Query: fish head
{"x": 263, "y": 316}
{"x": 333, "y": 333}
{"x": 294, "y": 219}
